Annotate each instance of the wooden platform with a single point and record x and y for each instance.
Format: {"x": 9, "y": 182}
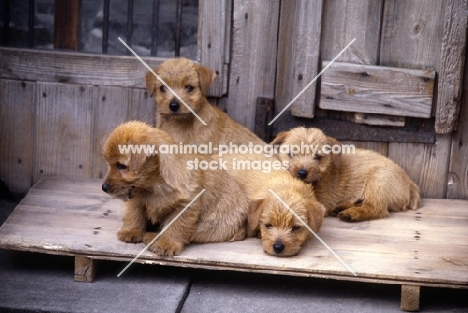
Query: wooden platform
{"x": 428, "y": 247}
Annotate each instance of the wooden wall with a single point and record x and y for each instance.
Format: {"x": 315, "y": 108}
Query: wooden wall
{"x": 55, "y": 110}
{"x": 407, "y": 34}
{"x": 49, "y": 128}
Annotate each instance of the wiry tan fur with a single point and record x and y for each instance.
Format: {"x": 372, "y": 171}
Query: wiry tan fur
{"x": 270, "y": 218}
{"x": 356, "y": 187}
{"x": 191, "y": 82}
{"x": 156, "y": 188}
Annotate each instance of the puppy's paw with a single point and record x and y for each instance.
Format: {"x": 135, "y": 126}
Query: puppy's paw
{"x": 336, "y": 211}
{"x": 130, "y": 235}
{"x": 162, "y": 246}
{"x": 347, "y": 216}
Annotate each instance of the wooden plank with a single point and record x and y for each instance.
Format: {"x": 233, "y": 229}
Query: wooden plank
{"x": 111, "y": 107}
{"x": 344, "y": 20}
{"x": 340, "y": 27}
{"x": 411, "y": 34}
{"x": 452, "y": 61}
{"x": 383, "y": 251}
{"x": 299, "y": 37}
{"x": 379, "y": 119}
{"x": 410, "y": 298}
{"x": 63, "y": 131}
{"x": 74, "y": 68}
{"x": 377, "y": 89}
{"x": 67, "y": 19}
{"x": 85, "y": 269}
{"x": 17, "y": 108}
{"x": 412, "y": 38}
{"x": 142, "y": 107}
{"x": 426, "y": 164}
{"x": 212, "y": 20}
{"x": 253, "y": 62}
{"x": 457, "y": 184}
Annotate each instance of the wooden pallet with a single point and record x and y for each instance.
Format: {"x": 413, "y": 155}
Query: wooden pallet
{"x": 428, "y": 247}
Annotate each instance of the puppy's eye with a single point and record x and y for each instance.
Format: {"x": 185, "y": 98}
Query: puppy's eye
{"x": 121, "y": 166}
{"x": 162, "y": 88}
{"x": 268, "y": 226}
{"x": 317, "y": 157}
{"x": 189, "y": 88}
{"x": 295, "y": 228}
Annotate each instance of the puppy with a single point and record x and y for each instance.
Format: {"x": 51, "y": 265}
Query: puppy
{"x": 281, "y": 232}
{"x": 156, "y": 187}
{"x": 356, "y": 187}
{"x": 191, "y": 82}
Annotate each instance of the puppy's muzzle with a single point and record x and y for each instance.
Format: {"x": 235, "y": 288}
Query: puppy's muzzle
{"x": 301, "y": 174}
{"x": 278, "y": 247}
{"x": 174, "y": 105}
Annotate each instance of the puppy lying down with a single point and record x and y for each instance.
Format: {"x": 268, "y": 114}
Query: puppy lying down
{"x": 354, "y": 186}
{"x": 157, "y": 187}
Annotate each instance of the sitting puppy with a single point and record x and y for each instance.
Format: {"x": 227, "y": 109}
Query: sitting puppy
{"x": 282, "y": 233}
{"x": 157, "y": 187}
{"x": 191, "y": 82}
{"x": 356, "y": 187}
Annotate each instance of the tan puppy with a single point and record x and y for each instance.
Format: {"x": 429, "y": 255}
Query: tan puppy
{"x": 157, "y": 187}
{"x": 191, "y": 82}
{"x": 356, "y": 187}
{"x": 281, "y": 232}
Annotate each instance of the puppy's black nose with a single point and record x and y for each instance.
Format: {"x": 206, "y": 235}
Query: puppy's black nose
{"x": 278, "y": 247}
{"x": 105, "y": 187}
{"x": 301, "y": 174}
{"x": 174, "y": 106}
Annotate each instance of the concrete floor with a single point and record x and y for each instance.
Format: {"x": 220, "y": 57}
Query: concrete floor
{"x": 32, "y": 282}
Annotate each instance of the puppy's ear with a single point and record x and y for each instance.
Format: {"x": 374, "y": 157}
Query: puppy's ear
{"x": 336, "y": 157}
{"x": 280, "y": 138}
{"x": 174, "y": 171}
{"x": 151, "y": 83}
{"x": 136, "y": 161}
{"x": 253, "y": 220}
{"x": 206, "y": 77}
{"x": 315, "y": 213}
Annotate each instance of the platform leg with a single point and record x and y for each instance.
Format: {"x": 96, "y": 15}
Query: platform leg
{"x": 410, "y": 298}
{"x": 85, "y": 269}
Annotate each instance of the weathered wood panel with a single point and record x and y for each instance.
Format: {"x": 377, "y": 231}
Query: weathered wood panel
{"x": 412, "y": 34}
{"x": 344, "y": 20}
{"x": 74, "y": 68}
{"x": 212, "y": 21}
{"x": 142, "y": 107}
{"x": 17, "y": 105}
{"x": 426, "y": 164}
{"x": 253, "y": 61}
{"x": 379, "y": 119}
{"x": 377, "y": 89}
{"x": 63, "y": 131}
{"x": 452, "y": 61}
{"x": 299, "y": 39}
{"x": 457, "y": 184}
{"x": 110, "y": 108}
{"x": 412, "y": 38}
{"x": 407, "y": 248}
